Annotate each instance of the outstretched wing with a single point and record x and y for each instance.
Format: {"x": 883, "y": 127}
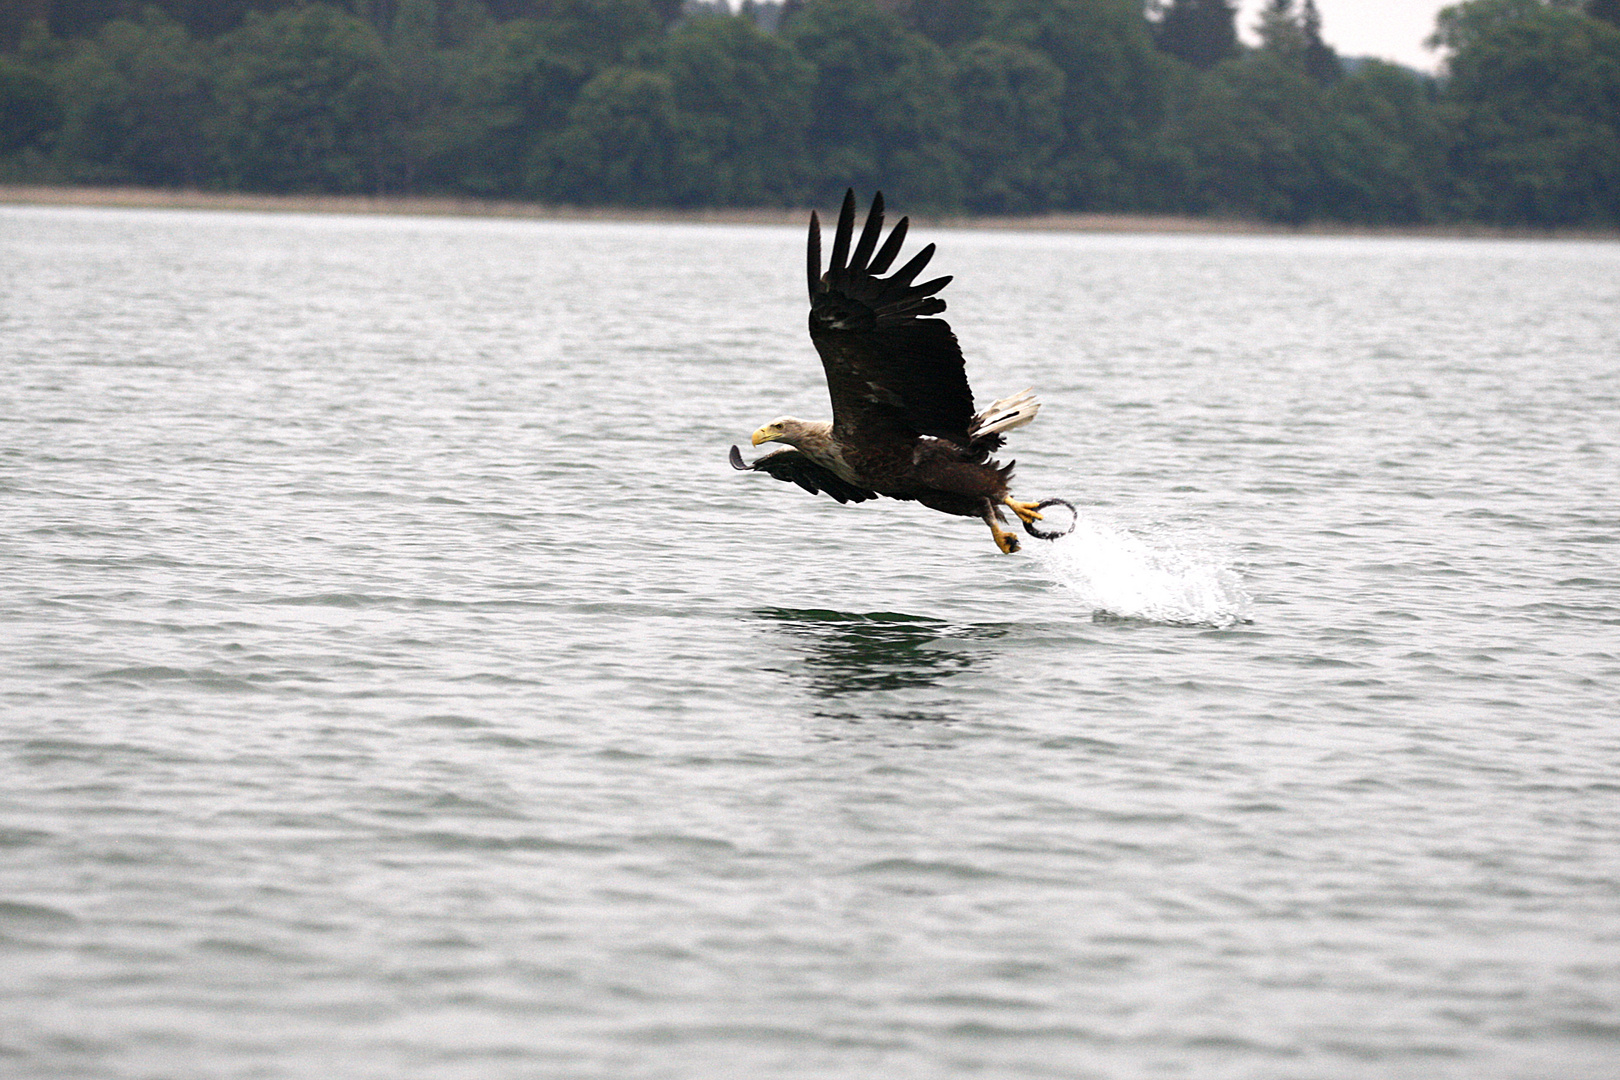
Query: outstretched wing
{"x": 892, "y": 372}
{"x": 796, "y": 467}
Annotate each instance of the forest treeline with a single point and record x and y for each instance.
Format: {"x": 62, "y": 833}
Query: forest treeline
{"x": 989, "y": 106}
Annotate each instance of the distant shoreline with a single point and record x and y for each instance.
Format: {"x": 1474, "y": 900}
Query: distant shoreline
{"x": 458, "y": 206}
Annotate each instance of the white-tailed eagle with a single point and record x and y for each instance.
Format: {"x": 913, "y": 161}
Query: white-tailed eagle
{"x": 903, "y": 422}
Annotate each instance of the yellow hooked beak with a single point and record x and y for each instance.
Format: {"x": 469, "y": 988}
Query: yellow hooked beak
{"x": 764, "y": 434}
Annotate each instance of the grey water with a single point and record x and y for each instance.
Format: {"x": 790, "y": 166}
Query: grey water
{"x": 396, "y": 681}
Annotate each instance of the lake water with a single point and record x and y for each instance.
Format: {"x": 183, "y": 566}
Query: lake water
{"x": 396, "y": 680}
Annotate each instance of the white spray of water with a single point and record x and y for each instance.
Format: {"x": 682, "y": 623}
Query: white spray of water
{"x": 1117, "y": 572}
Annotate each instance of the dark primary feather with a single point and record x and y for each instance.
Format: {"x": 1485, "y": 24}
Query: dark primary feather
{"x": 892, "y": 372}
{"x": 793, "y": 466}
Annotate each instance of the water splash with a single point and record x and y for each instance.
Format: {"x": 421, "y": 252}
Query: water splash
{"x": 1121, "y": 573}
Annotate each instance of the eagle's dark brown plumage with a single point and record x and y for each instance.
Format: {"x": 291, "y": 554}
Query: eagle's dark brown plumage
{"x": 903, "y": 421}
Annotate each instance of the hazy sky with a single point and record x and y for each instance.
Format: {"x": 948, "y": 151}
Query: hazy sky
{"x": 1389, "y": 29}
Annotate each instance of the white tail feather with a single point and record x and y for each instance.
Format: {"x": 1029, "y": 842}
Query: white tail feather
{"x": 1006, "y": 414}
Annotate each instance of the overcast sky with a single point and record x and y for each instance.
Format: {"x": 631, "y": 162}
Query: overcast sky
{"x": 1388, "y": 29}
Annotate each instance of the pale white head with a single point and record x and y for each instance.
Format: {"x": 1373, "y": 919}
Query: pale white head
{"x": 790, "y": 430}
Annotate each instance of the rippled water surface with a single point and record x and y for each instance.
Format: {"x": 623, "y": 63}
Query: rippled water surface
{"x": 396, "y": 681}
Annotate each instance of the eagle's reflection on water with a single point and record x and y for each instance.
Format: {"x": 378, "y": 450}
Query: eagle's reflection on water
{"x": 850, "y": 652}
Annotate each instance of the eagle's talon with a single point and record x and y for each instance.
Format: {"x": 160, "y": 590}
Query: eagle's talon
{"x": 1027, "y": 511}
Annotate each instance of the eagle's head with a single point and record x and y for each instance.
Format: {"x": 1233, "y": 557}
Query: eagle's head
{"x": 786, "y": 429}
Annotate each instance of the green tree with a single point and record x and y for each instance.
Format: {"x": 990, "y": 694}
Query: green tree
{"x": 307, "y": 98}
{"x": 432, "y": 50}
{"x": 203, "y": 19}
{"x": 950, "y": 22}
{"x": 1114, "y": 94}
{"x": 1460, "y": 25}
{"x": 210, "y": 18}
{"x": 516, "y": 93}
{"x": 29, "y": 108}
{"x": 882, "y": 113}
{"x": 135, "y": 102}
{"x": 1280, "y": 32}
{"x": 1293, "y": 37}
{"x": 1011, "y": 124}
{"x": 624, "y": 143}
{"x": 1536, "y": 94}
{"x": 17, "y": 16}
{"x": 1199, "y": 32}
{"x": 595, "y": 32}
{"x": 744, "y": 99}
{"x": 1250, "y": 134}
{"x": 1384, "y": 158}
{"x": 81, "y": 18}
{"x": 1321, "y": 62}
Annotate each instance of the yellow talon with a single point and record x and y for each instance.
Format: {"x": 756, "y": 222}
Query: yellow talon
{"x": 1006, "y": 541}
{"x": 1025, "y": 510}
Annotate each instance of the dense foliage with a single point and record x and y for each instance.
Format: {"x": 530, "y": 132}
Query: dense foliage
{"x": 983, "y": 105}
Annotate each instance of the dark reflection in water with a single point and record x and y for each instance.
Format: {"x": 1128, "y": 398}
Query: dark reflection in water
{"x": 849, "y": 652}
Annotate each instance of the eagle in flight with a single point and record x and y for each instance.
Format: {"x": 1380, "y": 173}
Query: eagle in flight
{"x": 903, "y": 422}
